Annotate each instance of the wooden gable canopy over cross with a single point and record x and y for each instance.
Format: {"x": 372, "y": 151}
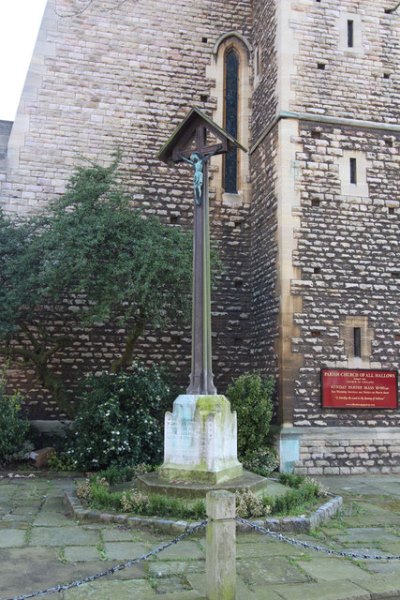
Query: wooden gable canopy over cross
{"x": 194, "y": 128}
{"x": 190, "y": 143}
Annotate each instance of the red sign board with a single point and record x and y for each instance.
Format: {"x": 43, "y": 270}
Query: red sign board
{"x": 358, "y": 388}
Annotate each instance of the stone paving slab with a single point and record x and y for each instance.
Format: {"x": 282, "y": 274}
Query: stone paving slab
{"x": 333, "y": 569}
{"x": 81, "y": 553}
{"x": 365, "y": 534}
{"x": 9, "y": 538}
{"x": 186, "y": 550}
{"x": 125, "y": 550}
{"x": 383, "y": 587}
{"x": 112, "y": 590}
{"x": 160, "y": 568}
{"x": 266, "y": 571}
{"x": 63, "y": 536}
{"x": 342, "y": 590}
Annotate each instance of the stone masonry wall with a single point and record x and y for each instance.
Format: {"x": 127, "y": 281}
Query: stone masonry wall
{"x": 265, "y": 91}
{"x": 264, "y": 246}
{"x": 331, "y": 79}
{"x": 5, "y": 128}
{"x": 349, "y": 451}
{"x": 124, "y": 77}
{"x": 264, "y": 256}
{"x": 348, "y": 253}
{"x": 348, "y": 237}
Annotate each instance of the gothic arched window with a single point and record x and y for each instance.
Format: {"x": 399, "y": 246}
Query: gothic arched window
{"x": 230, "y": 69}
{"x": 231, "y": 118}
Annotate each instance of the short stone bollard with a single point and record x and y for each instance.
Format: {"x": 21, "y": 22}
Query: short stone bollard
{"x": 221, "y": 546}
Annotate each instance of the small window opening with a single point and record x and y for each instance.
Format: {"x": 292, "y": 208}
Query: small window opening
{"x": 203, "y": 97}
{"x": 176, "y": 339}
{"x": 321, "y": 66}
{"x": 317, "y": 270}
{"x": 386, "y": 76}
{"x": 316, "y": 135}
{"x": 357, "y": 341}
{"x": 353, "y": 170}
{"x": 316, "y": 333}
{"x": 391, "y": 210}
{"x": 350, "y": 33}
{"x": 204, "y": 40}
{"x": 389, "y": 143}
{"x": 173, "y": 219}
{"x": 315, "y": 202}
{"x": 395, "y": 275}
{"x": 238, "y": 284}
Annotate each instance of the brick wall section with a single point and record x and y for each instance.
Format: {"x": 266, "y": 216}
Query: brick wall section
{"x": 265, "y": 94}
{"x": 353, "y": 83}
{"x": 125, "y": 78}
{"x": 264, "y": 248}
{"x": 354, "y": 452}
{"x": 264, "y": 256}
{"x": 354, "y": 241}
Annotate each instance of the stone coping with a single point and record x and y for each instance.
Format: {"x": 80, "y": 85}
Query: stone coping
{"x": 284, "y": 524}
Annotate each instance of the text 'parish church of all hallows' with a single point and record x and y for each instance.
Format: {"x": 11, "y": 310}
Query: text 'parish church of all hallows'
{"x": 307, "y": 220}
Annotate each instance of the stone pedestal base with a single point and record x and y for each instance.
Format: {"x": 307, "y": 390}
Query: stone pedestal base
{"x": 200, "y": 442}
{"x": 152, "y": 483}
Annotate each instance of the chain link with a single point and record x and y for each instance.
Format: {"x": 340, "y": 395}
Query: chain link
{"x": 115, "y": 569}
{"x": 282, "y": 538}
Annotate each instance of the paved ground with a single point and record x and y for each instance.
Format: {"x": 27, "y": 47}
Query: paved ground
{"x": 40, "y": 546}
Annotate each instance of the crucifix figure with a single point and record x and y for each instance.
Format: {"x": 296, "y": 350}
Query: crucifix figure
{"x": 179, "y": 148}
{"x": 197, "y": 161}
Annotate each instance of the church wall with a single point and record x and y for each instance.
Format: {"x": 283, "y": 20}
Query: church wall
{"x": 264, "y": 256}
{"x": 124, "y": 78}
{"x": 330, "y": 78}
{"x": 348, "y": 257}
{"x": 264, "y": 249}
{"x": 343, "y": 93}
{"x": 265, "y": 78}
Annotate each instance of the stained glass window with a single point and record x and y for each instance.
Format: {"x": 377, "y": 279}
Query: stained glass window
{"x": 231, "y": 118}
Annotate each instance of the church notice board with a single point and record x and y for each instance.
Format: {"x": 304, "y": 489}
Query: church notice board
{"x": 358, "y": 388}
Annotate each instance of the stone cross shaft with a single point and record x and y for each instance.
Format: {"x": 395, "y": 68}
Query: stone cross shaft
{"x": 201, "y": 377}
{"x": 193, "y": 130}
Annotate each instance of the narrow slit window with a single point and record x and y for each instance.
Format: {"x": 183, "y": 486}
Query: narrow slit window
{"x": 350, "y": 33}
{"x": 353, "y": 170}
{"x": 357, "y": 341}
{"x": 231, "y": 119}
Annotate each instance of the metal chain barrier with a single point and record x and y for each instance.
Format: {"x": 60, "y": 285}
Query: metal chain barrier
{"x": 115, "y": 569}
{"x": 282, "y": 538}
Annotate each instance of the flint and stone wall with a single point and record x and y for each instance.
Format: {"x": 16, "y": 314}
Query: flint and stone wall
{"x": 345, "y": 260}
{"x": 123, "y": 78}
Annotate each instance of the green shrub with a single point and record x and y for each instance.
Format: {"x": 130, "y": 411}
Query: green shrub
{"x": 251, "y": 506}
{"x": 304, "y": 493}
{"x": 263, "y": 461}
{"x": 13, "y": 427}
{"x": 251, "y": 396}
{"x": 61, "y": 461}
{"x": 119, "y": 419}
{"x": 97, "y": 494}
{"x": 292, "y": 480}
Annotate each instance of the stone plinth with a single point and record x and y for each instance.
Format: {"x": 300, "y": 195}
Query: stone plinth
{"x": 153, "y": 483}
{"x": 200, "y": 440}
